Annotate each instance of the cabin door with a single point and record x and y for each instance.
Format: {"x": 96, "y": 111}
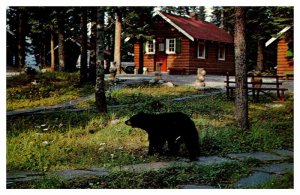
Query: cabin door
{"x": 161, "y": 57}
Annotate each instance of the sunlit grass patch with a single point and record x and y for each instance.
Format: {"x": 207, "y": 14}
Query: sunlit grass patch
{"x": 28, "y": 91}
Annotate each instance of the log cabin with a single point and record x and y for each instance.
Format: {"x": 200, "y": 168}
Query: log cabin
{"x": 183, "y": 44}
{"x": 285, "y": 56}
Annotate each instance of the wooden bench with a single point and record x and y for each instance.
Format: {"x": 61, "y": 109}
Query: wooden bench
{"x": 177, "y": 71}
{"x": 256, "y": 87}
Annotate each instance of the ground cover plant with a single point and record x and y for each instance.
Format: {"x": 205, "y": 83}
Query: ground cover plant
{"x": 66, "y": 140}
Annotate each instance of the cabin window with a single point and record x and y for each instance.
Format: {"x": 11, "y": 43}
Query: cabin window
{"x": 201, "y": 50}
{"x": 171, "y": 46}
{"x": 221, "y": 52}
{"x": 150, "y": 47}
{"x": 161, "y": 47}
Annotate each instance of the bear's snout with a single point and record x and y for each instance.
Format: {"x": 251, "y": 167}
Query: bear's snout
{"x": 128, "y": 122}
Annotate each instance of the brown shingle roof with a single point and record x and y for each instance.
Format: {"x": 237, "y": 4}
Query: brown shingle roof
{"x": 197, "y": 29}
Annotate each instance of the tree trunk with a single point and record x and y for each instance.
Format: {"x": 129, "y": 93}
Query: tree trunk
{"x": 260, "y": 55}
{"x": 42, "y": 52}
{"x": 61, "y": 43}
{"x": 241, "y": 99}
{"x": 118, "y": 31}
{"x": 92, "y": 68}
{"x": 52, "y": 51}
{"x": 99, "y": 87}
{"x": 21, "y": 39}
{"x": 83, "y": 62}
{"x": 222, "y": 18}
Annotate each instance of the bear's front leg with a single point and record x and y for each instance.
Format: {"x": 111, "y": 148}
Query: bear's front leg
{"x": 151, "y": 148}
{"x": 155, "y": 145}
{"x": 173, "y": 147}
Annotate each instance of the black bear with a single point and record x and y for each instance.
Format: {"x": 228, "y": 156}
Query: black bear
{"x": 173, "y": 128}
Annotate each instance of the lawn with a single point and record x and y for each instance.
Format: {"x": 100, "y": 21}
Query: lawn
{"x": 67, "y": 140}
{"x": 29, "y": 91}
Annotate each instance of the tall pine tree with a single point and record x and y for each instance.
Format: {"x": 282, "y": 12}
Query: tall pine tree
{"x": 100, "y": 86}
{"x": 241, "y": 96}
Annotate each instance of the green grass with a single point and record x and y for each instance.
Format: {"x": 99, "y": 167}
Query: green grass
{"x": 51, "y": 89}
{"x": 86, "y": 139}
{"x": 54, "y": 88}
{"x": 219, "y": 176}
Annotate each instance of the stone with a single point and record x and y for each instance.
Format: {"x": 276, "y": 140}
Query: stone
{"x": 262, "y": 156}
{"x": 286, "y": 153}
{"x": 199, "y": 83}
{"x": 201, "y": 71}
{"x": 212, "y": 160}
{"x": 168, "y": 84}
{"x": 153, "y": 166}
{"x": 196, "y": 187}
{"x": 73, "y": 174}
{"x": 153, "y": 81}
{"x": 145, "y": 71}
{"x": 281, "y": 168}
{"x": 23, "y": 177}
{"x": 19, "y": 175}
{"x": 161, "y": 82}
{"x": 254, "y": 179}
{"x": 114, "y": 122}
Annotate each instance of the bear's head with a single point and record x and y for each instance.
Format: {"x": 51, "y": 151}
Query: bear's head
{"x": 137, "y": 120}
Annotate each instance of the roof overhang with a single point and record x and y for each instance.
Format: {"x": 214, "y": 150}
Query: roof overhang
{"x": 174, "y": 25}
{"x": 277, "y": 36}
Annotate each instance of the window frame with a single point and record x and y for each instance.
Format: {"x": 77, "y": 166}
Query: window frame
{"x": 224, "y": 52}
{"x": 161, "y": 47}
{"x": 203, "y": 52}
{"x": 147, "y": 47}
{"x": 168, "y": 46}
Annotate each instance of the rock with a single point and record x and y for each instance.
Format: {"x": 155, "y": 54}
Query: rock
{"x": 201, "y": 71}
{"x": 277, "y": 168}
{"x": 254, "y": 179}
{"x": 73, "y": 174}
{"x": 168, "y": 84}
{"x": 114, "y": 122}
{"x": 212, "y": 160}
{"x": 45, "y": 143}
{"x": 161, "y": 82}
{"x": 153, "y": 81}
{"x": 153, "y": 166}
{"x": 199, "y": 85}
{"x": 263, "y": 156}
{"x": 286, "y": 153}
{"x": 196, "y": 187}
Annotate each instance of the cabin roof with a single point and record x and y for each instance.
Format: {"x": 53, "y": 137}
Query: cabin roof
{"x": 196, "y": 29}
{"x": 278, "y": 35}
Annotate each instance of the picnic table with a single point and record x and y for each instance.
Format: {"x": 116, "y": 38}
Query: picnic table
{"x": 257, "y": 85}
